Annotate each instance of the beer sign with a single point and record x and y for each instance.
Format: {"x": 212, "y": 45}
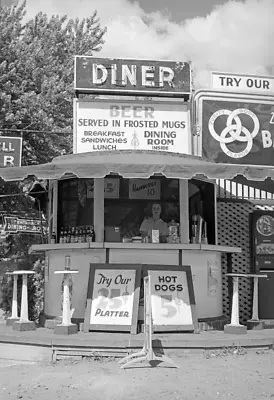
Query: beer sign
{"x": 113, "y": 298}
{"x": 132, "y": 77}
{"x": 172, "y": 298}
{"x": 10, "y": 151}
{"x": 236, "y": 129}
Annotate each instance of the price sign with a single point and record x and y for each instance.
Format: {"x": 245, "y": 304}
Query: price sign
{"x": 147, "y": 189}
{"x": 111, "y": 188}
{"x": 172, "y": 298}
{"x": 113, "y": 296}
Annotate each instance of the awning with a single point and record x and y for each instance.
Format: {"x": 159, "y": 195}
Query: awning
{"x": 135, "y": 164}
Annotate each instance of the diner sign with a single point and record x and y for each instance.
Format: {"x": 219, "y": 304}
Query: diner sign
{"x": 243, "y": 83}
{"x": 147, "y": 189}
{"x": 113, "y": 125}
{"x": 113, "y": 296}
{"x": 236, "y": 128}
{"x": 131, "y": 76}
{"x": 172, "y": 298}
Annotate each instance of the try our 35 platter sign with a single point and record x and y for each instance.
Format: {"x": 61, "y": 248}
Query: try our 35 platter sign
{"x": 172, "y": 298}
{"x": 113, "y": 298}
{"x": 130, "y": 76}
{"x": 236, "y": 128}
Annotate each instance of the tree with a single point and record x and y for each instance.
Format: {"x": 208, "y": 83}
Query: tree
{"x": 36, "y": 93}
{"x": 36, "y": 77}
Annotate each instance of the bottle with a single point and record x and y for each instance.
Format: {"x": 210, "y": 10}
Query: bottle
{"x": 69, "y": 235}
{"x": 88, "y": 235}
{"x": 53, "y": 237}
{"x": 92, "y": 234}
{"x": 80, "y": 240}
{"x": 84, "y": 234}
{"x": 61, "y": 239}
{"x": 76, "y": 239}
{"x": 72, "y": 237}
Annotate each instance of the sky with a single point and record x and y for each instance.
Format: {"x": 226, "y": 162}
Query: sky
{"x": 215, "y": 35}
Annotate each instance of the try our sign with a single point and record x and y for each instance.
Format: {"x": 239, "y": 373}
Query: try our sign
{"x": 10, "y": 151}
{"x": 113, "y": 125}
{"x": 243, "y": 83}
{"x": 172, "y": 298}
{"x": 113, "y": 296}
{"x": 14, "y": 224}
{"x": 236, "y": 129}
{"x": 129, "y": 76}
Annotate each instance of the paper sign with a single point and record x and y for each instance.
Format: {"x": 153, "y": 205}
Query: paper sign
{"x": 171, "y": 298}
{"x": 113, "y": 296}
{"x": 147, "y": 189}
{"x": 111, "y": 188}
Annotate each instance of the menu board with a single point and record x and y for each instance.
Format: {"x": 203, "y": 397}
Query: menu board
{"x": 113, "y": 298}
{"x": 172, "y": 298}
{"x": 262, "y": 228}
{"x": 145, "y": 189}
{"x": 111, "y": 188}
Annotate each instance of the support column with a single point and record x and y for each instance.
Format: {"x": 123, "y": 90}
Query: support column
{"x": 184, "y": 210}
{"x": 99, "y": 209}
{"x": 235, "y": 327}
{"x": 254, "y": 323}
{"x": 66, "y": 327}
{"x": 14, "y": 310}
{"x": 24, "y": 324}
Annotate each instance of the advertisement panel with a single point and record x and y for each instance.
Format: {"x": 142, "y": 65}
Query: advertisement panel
{"x": 113, "y": 296}
{"x": 172, "y": 298}
{"x": 236, "y": 129}
{"x": 131, "y": 76}
{"x": 243, "y": 83}
{"x": 113, "y": 125}
{"x": 145, "y": 189}
{"x": 10, "y": 151}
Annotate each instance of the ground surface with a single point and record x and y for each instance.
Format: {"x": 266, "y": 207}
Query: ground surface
{"x": 208, "y": 376}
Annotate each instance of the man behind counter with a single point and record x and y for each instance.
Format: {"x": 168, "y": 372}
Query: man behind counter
{"x": 154, "y": 223}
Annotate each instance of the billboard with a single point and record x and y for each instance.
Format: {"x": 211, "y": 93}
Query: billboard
{"x": 242, "y": 83}
{"x": 130, "y": 76}
{"x": 10, "y": 151}
{"x": 236, "y": 129}
{"x": 115, "y": 125}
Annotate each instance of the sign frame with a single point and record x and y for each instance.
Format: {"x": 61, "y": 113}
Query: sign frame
{"x": 126, "y": 91}
{"x": 194, "y": 327}
{"x": 18, "y": 156}
{"x": 136, "y": 296}
{"x": 208, "y": 94}
{"x": 185, "y": 108}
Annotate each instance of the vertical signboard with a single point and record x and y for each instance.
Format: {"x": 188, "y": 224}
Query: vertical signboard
{"x": 172, "y": 298}
{"x": 113, "y": 298}
{"x": 10, "y": 151}
{"x": 235, "y": 128}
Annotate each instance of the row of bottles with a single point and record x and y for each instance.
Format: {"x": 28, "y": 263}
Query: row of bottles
{"x": 84, "y": 234}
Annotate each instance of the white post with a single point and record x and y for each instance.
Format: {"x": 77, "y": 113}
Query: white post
{"x": 98, "y": 209}
{"x": 255, "y": 311}
{"x": 24, "y": 316}
{"x": 66, "y": 320}
{"x": 184, "y": 211}
{"x": 235, "y": 302}
{"x": 14, "y": 310}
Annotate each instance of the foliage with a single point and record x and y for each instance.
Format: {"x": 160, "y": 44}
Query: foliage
{"x": 35, "y": 291}
{"x": 36, "y": 94}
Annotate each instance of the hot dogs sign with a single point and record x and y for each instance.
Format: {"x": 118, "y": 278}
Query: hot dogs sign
{"x": 113, "y": 297}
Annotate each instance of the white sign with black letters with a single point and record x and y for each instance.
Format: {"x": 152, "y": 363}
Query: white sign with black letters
{"x": 242, "y": 83}
{"x": 113, "y": 125}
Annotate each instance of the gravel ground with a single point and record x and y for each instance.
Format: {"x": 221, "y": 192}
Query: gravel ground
{"x": 222, "y": 374}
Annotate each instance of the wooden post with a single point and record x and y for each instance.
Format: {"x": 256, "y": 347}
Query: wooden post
{"x": 14, "y": 310}
{"x": 66, "y": 327}
{"x": 254, "y": 323}
{"x": 99, "y": 209}
{"x": 184, "y": 210}
{"x": 24, "y": 324}
{"x": 234, "y": 326}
